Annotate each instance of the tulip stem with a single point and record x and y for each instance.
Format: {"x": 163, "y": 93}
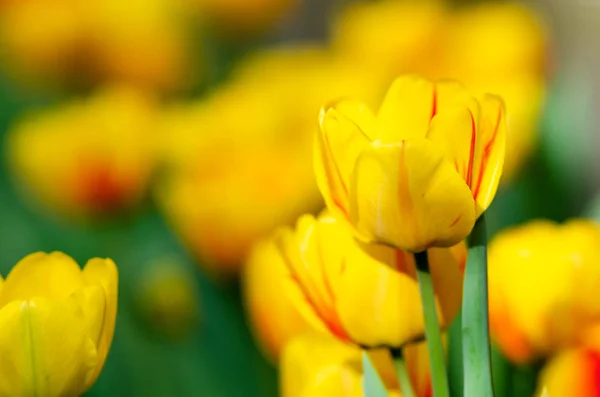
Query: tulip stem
{"x": 437, "y": 362}
{"x": 477, "y": 363}
{"x": 403, "y": 378}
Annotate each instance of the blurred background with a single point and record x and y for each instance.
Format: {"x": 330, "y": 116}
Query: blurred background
{"x": 172, "y": 135}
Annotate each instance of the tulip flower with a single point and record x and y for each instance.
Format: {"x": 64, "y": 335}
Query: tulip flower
{"x": 498, "y": 47}
{"x": 56, "y": 325}
{"x": 87, "y": 159}
{"x": 420, "y": 172}
{"x": 273, "y": 317}
{"x": 368, "y": 298}
{"x": 318, "y": 365}
{"x": 572, "y": 372}
{"x": 559, "y": 262}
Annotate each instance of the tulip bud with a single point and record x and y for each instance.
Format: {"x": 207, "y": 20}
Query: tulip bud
{"x": 56, "y": 325}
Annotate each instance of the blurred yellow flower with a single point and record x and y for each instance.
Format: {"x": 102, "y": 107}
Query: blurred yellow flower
{"x": 139, "y": 42}
{"x": 56, "y": 325}
{"x": 317, "y": 365}
{"x": 573, "y": 372}
{"x": 371, "y": 299}
{"x": 420, "y": 172}
{"x": 87, "y": 159}
{"x": 492, "y": 47}
{"x": 273, "y": 317}
{"x": 543, "y": 282}
{"x": 239, "y": 164}
{"x": 238, "y": 18}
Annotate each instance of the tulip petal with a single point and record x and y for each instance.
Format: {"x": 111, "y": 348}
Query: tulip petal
{"x": 489, "y": 156}
{"x": 417, "y": 361}
{"x": 312, "y": 276}
{"x": 454, "y": 131}
{"x": 92, "y": 301}
{"x": 377, "y": 305}
{"x": 338, "y": 144}
{"x": 44, "y": 349}
{"x": 54, "y": 275}
{"x": 450, "y": 94}
{"x": 408, "y": 196}
{"x": 407, "y": 109}
{"x": 315, "y": 365}
{"x": 274, "y": 318}
{"x": 103, "y": 272}
{"x": 446, "y": 267}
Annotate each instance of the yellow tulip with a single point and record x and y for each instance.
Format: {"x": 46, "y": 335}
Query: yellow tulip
{"x": 317, "y": 365}
{"x": 492, "y": 47}
{"x": 87, "y": 159}
{"x": 371, "y": 299}
{"x": 561, "y": 263}
{"x": 417, "y": 174}
{"x": 56, "y": 325}
{"x": 273, "y": 317}
{"x": 573, "y": 372}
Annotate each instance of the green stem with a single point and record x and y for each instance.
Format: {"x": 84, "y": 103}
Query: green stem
{"x": 403, "y": 378}
{"x": 439, "y": 377}
{"x": 475, "y": 328}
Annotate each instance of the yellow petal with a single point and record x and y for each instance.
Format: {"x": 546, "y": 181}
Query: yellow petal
{"x": 92, "y": 301}
{"x": 489, "y": 156}
{"x": 454, "y": 132}
{"x": 54, "y": 275}
{"x": 315, "y": 365}
{"x": 407, "y": 109}
{"x": 446, "y": 267}
{"x": 103, "y": 273}
{"x": 44, "y": 349}
{"x": 410, "y": 197}
{"x": 274, "y": 318}
{"x": 377, "y": 305}
{"x": 314, "y": 255}
{"x": 338, "y": 144}
{"x": 417, "y": 361}
{"x": 573, "y": 373}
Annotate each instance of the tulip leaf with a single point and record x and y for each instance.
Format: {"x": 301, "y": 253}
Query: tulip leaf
{"x": 475, "y": 327}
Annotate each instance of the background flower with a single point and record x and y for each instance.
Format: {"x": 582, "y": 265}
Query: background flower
{"x": 560, "y": 262}
{"x": 87, "y": 159}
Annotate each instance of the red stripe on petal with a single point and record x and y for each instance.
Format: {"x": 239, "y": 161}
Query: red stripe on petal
{"x": 486, "y": 154}
{"x": 458, "y": 218}
{"x": 328, "y": 163}
{"x": 471, "y": 152}
{"x": 435, "y": 102}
